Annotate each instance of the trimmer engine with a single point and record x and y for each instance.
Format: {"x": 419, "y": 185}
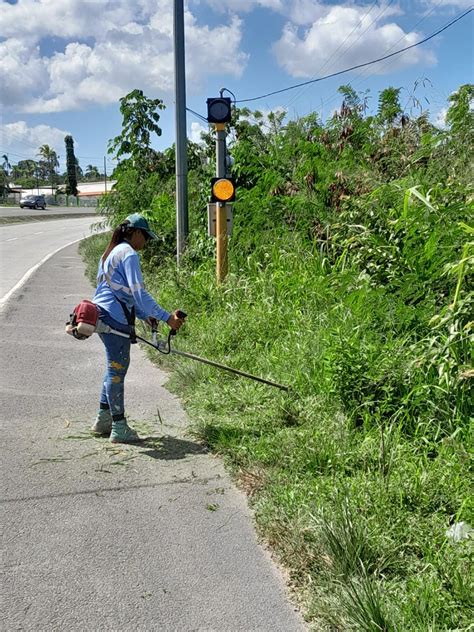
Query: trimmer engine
{"x": 83, "y": 320}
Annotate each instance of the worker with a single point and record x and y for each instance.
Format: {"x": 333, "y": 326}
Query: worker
{"x": 120, "y": 295}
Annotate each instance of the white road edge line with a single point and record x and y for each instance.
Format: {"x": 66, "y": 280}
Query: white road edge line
{"x": 30, "y": 272}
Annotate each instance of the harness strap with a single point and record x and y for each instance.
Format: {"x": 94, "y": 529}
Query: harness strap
{"x": 129, "y": 313}
{"x": 130, "y": 316}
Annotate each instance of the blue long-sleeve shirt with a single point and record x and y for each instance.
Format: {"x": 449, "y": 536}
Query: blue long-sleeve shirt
{"x": 120, "y": 277}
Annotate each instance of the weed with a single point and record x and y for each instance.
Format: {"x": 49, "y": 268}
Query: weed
{"x": 351, "y": 281}
{"x": 347, "y": 540}
{"x": 363, "y": 604}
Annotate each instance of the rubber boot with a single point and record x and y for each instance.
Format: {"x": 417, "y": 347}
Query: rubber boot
{"x": 103, "y": 423}
{"x": 122, "y": 433}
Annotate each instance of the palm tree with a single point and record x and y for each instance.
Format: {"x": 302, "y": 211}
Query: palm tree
{"x": 6, "y": 166}
{"x": 50, "y": 161}
{"x": 4, "y": 174}
{"x": 92, "y": 173}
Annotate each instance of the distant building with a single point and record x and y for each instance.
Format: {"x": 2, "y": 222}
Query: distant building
{"x": 88, "y": 192}
{"x": 94, "y": 189}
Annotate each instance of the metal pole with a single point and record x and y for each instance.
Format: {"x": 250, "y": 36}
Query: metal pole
{"x": 221, "y": 208}
{"x": 182, "y": 228}
{"x": 105, "y": 176}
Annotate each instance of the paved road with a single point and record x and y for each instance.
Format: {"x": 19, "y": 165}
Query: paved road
{"x": 23, "y": 246}
{"x": 16, "y": 211}
{"x": 105, "y": 537}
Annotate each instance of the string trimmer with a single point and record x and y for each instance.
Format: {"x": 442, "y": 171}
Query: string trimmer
{"x": 85, "y": 321}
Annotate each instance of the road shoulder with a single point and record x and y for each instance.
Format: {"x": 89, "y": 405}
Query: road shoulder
{"x": 97, "y": 536}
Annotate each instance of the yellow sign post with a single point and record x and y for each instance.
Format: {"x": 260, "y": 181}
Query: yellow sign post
{"x": 220, "y": 194}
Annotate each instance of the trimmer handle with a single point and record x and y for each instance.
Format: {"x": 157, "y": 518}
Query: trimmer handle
{"x": 180, "y": 314}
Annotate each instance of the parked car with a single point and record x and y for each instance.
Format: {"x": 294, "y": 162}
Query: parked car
{"x": 33, "y": 201}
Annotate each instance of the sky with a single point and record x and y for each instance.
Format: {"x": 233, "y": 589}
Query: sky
{"x": 64, "y": 64}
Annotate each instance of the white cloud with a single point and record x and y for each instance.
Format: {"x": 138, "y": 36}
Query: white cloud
{"x": 36, "y": 19}
{"x": 116, "y": 46}
{"x": 462, "y": 4}
{"x": 196, "y": 130}
{"x": 305, "y": 11}
{"x": 244, "y": 6}
{"x": 346, "y": 36}
{"x": 440, "y": 118}
{"x": 300, "y": 12}
{"x": 24, "y": 141}
{"x": 23, "y": 72}
{"x": 264, "y": 118}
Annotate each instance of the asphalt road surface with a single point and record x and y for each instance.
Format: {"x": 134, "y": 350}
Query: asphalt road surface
{"x": 23, "y": 246}
{"x": 16, "y": 211}
{"x": 98, "y": 536}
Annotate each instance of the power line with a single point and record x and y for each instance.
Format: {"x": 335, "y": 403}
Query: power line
{"x": 197, "y": 114}
{"x": 368, "y": 63}
{"x": 325, "y": 64}
{"x": 7, "y": 152}
{"x": 20, "y": 140}
{"x": 365, "y": 77}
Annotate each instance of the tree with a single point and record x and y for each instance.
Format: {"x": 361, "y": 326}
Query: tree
{"x": 92, "y": 173}
{"x": 5, "y": 174}
{"x": 6, "y": 164}
{"x": 138, "y": 172}
{"x": 71, "y": 163}
{"x": 389, "y": 108}
{"x": 79, "y": 172}
{"x": 49, "y": 163}
{"x": 140, "y": 120}
{"x": 460, "y": 115}
{"x": 25, "y": 173}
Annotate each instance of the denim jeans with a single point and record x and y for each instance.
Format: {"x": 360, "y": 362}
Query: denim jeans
{"x": 117, "y": 351}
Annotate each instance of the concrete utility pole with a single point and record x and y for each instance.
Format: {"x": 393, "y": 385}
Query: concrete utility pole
{"x": 182, "y": 227}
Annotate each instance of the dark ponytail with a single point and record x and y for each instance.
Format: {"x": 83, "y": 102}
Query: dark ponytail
{"x": 122, "y": 233}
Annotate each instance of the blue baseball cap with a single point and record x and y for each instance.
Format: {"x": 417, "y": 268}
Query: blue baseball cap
{"x": 138, "y": 221}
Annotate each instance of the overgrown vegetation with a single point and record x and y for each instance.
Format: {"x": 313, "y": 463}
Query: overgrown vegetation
{"x": 350, "y": 280}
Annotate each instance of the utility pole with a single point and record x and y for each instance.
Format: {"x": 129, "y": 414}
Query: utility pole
{"x": 182, "y": 227}
{"x": 105, "y": 176}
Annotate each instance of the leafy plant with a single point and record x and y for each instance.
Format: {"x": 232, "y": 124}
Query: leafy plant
{"x": 351, "y": 281}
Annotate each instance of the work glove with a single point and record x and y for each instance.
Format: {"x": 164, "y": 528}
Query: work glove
{"x": 174, "y": 322}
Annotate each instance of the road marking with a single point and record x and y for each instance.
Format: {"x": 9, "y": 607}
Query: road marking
{"x": 40, "y": 233}
{"x": 12, "y": 239}
{"x": 30, "y": 272}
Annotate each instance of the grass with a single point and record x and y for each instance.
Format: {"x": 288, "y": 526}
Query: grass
{"x": 355, "y": 475}
{"x": 351, "y": 281}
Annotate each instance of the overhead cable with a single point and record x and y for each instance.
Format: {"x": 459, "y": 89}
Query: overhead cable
{"x": 295, "y": 97}
{"x": 368, "y": 63}
{"x": 197, "y": 114}
{"x": 365, "y": 77}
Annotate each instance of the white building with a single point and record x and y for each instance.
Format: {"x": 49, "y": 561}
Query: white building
{"x": 88, "y": 193}
{"x": 94, "y": 189}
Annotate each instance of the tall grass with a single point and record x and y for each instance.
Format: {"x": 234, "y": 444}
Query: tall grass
{"x": 356, "y": 475}
{"x": 351, "y": 282}
{"x": 353, "y": 478}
